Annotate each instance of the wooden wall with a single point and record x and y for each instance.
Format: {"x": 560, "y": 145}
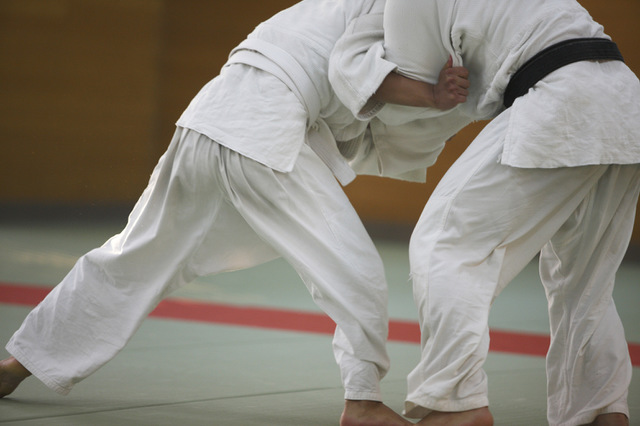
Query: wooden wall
{"x": 90, "y": 90}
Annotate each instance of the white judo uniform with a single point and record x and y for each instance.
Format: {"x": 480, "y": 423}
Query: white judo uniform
{"x": 248, "y": 177}
{"x": 557, "y": 173}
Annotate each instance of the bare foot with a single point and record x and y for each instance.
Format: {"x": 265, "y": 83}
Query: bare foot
{"x": 610, "y": 419}
{"x": 370, "y": 413}
{"x": 477, "y": 417}
{"x": 11, "y": 374}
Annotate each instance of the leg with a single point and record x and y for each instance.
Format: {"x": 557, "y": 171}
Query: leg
{"x": 476, "y": 417}
{"x": 370, "y": 413}
{"x": 315, "y": 228}
{"x": 482, "y": 225}
{"x": 12, "y": 373}
{"x": 304, "y": 215}
{"x": 611, "y": 419}
{"x": 588, "y": 365}
{"x": 95, "y": 310}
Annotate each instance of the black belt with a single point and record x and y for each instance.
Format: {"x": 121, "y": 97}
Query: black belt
{"x": 557, "y": 56}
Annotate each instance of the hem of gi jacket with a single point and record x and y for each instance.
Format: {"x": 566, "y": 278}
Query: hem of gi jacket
{"x": 418, "y": 408}
{"x": 362, "y": 396}
{"x": 18, "y": 354}
{"x": 616, "y": 407}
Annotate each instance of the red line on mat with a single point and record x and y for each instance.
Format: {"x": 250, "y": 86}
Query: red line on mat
{"x": 280, "y": 319}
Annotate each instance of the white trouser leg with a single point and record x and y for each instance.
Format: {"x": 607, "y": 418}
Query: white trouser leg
{"x": 482, "y": 225}
{"x": 87, "y": 319}
{"x": 207, "y": 210}
{"x": 312, "y": 224}
{"x": 588, "y": 363}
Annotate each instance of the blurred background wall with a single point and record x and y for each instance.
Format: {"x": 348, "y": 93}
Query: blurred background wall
{"x": 90, "y": 91}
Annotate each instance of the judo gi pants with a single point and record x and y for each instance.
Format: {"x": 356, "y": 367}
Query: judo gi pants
{"x": 207, "y": 210}
{"x": 483, "y": 224}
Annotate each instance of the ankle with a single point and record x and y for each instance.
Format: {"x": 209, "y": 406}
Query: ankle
{"x": 476, "y": 417}
{"x": 370, "y": 413}
{"x": 611, "y": 419}
{"x": 14, "y": 367}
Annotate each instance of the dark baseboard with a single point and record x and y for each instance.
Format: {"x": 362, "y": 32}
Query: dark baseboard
{"x": 389, "y": 231}
{"x": 64, "y": 212}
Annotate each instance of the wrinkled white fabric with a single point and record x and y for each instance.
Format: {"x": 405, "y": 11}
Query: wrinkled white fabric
{"x": 208, "y": 210}
{"x": 390, "y": 141}
{"x": 401, "y": 142}
{"x": 305, "y": 33}
{"x": 560, "y": 122}
{"x": 557, "y": 173}
{"x": 482, "y": 225}
{"x": 556, "y": 123}
{"x": 240, "y": 100}
{"x": 238, "y": 186}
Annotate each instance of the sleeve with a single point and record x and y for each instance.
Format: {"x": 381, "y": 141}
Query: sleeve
{"x": 357, "y": 65}
{"x": 402, "y": 150}
{"x": 417, "y": 38}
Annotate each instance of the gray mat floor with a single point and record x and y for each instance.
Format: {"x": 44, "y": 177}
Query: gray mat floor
{"x": 185, "y": 373}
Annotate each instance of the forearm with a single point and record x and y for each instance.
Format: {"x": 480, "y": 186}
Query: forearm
{"x": 451, "y": 89}
{"x": 397, "y": 89}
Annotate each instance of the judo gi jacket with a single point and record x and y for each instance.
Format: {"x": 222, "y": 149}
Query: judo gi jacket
{"x": 325, "y": 59}
{"x": 493, "y": 41}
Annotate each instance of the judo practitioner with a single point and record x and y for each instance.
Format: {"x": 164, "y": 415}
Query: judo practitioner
{"x": 250, "y": 175}
{"x": 556, "y": 172}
